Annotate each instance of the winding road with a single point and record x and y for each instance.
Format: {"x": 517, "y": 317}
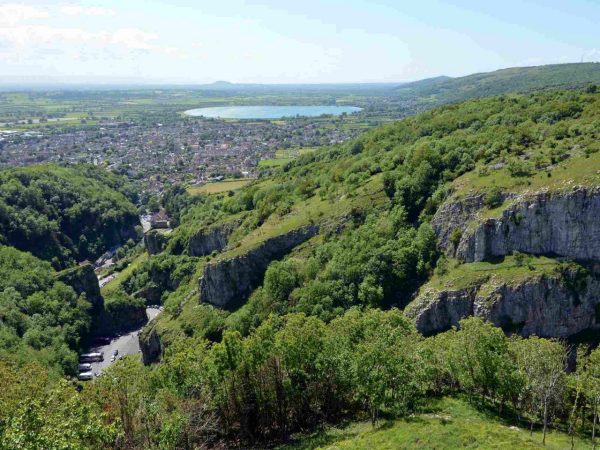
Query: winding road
{"x": 127, "y": 344}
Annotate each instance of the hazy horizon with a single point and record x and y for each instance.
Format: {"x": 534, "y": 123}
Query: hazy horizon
{"x": 268, "y": 42}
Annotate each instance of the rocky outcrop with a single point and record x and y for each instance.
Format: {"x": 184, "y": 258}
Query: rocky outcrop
{"x": 228, "y": 283}
{"x": 125, "y": 318}
{"x": 150, "y": 345}
{"x": 437, "y": 311}
{"x": 559, "y": 223}
{"x": 212, "y": 239}
{"x": 455, "y": 215}
{"x": 154, "y": 242}
{"x": 151, "y": 294}
{"x": 560, "y": 305}
{"x": 83, "y": 280}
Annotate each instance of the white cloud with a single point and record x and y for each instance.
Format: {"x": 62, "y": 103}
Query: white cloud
{"x": 79, "y": 10}
{"x": 19, "y": 37}
{"x": 22, "y": 41}
{"x": 13, "y": 13}
{"x": 22, "y": 36}
{"x": 133, "y": 39}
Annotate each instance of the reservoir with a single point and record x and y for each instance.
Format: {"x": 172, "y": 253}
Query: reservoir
{"x": 270, "y": 112}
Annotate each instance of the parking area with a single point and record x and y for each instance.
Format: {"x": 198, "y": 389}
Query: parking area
{"x": 127, "y": 344}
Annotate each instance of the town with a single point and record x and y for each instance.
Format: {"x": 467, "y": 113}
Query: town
{"x": 191, "y": 150}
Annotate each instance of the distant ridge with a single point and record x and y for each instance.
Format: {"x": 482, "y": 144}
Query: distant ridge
{"x": 221, "y": 84}
{"x": 516, "y": 79}
{"x": 99, "y": 84}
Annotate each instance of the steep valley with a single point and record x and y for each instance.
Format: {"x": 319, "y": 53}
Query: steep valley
{"x": 434, "y": 273}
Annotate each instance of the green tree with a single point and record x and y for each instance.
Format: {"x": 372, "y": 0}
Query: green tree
{"x": 542, "y": 363}
{"x": 588, "y": 373}
{"x": 481, "y": 362}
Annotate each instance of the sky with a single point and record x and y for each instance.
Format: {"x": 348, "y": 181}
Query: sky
{"x": 288, "y": 41}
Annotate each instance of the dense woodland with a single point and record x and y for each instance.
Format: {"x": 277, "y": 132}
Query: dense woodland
{"x": 65, "y": 215}
{"x": 52, "y": 218}
{"x": 41, "y": 319}
{"x": 324, "y": 339}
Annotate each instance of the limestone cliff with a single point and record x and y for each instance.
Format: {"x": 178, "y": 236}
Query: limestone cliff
{"x": 154, "y": 242}
{"x": 206, "y": 241}
{"x": 83, "y": 280}
{"x": 562, "y": 304}
{"x": 228, "y": 283}
{"x": 560, "y": 223}
{"x": 455, "y": 215}
{"x": 150, "y": 344}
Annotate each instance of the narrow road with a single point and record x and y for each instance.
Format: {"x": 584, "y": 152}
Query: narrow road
{"x": 128, "y": 344}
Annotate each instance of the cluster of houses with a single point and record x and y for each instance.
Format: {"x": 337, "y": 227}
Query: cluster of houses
{"x": 191, "y": 147}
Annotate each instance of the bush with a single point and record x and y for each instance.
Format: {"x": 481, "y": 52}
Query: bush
{"x": 519, "y": 168}
{"x": 494, "y": 197}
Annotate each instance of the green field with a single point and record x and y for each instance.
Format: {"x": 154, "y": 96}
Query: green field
{"x": 448, "y": 424}
{"x": 283, "y": 156}
{"x": 164, "y": 105}
{"x": 219, "y": 186}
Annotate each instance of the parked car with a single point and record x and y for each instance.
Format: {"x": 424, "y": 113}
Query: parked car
{"x": 86, "y": 376}
{"x": 85, "y": 367}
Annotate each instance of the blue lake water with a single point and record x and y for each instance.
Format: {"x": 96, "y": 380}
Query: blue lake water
{"x": 270, "y": 112}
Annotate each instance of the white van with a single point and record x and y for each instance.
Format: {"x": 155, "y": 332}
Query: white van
{"x": 91, "y": 357}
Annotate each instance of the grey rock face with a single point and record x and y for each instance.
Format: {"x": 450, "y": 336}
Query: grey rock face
{"x": 547, "y": 306}
{"x": 154, "y": 242}
{"x": 455, "y": 216}
{"x": 228, "y": 283}
{"x": 150, "y": 345}
{"x": 438, "y": 311}
{"x": 564, "y": 224}
{"x": 213, "y": 239}
{"x": 83, "y": 280}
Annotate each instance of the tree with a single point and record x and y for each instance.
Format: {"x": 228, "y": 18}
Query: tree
{"x": 480, "y": 360}
{"x": 387, "y": 370}
{"x": 588, "y": 373}
{"x": 40, "y": 412}
{"x": 123, "y": 389}
{"x": 280, "y": 280}
{"x": 542, "y": 362}
{"x": 575, "y": 382}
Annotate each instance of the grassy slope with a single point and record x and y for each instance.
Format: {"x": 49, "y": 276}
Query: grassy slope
{"x": 312, "y": 210}
{"x": 447, "y": 424}
{"x": 464, "y": 275}
{"x": 115, "y": 284}
{"x": 578, "y": 169}
{"x": 485, "y": 276}
{"x": 439, "y": 131}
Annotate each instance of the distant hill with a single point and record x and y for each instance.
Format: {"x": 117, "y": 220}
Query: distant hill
{"x": 517, "y": 79}
{"x": 304, "y": 87}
